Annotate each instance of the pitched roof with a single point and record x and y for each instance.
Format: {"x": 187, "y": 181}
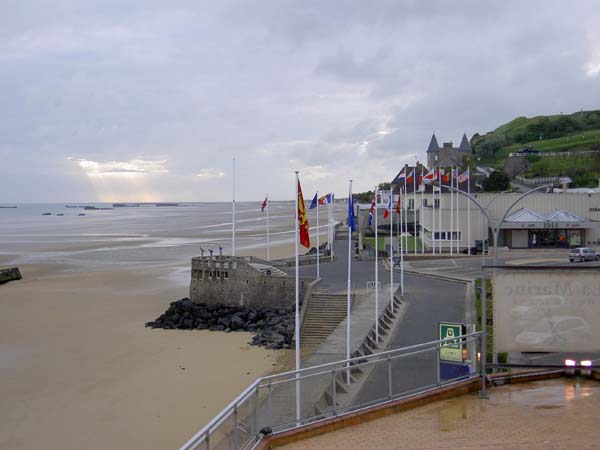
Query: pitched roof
{"x": 525, "y": 215}
{"x": 560, "y": 215}
{"x": 465, "y": 145}
{"x": 433, "y": 144}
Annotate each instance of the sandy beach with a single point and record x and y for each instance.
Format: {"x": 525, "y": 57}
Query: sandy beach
{"x": 79, "y": 370}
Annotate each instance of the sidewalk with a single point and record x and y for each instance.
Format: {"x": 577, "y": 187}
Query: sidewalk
{"x": 544, "y": 415}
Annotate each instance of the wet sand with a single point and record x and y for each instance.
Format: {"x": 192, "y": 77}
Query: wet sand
{"x": 79, "y": 370}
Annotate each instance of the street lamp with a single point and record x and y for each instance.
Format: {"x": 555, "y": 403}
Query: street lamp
{"x": 483, "y": 358}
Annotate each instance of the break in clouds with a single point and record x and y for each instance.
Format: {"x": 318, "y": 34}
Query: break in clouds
{"x": 118, "y": 101}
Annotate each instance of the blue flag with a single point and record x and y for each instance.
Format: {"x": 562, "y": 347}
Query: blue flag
{"x": 315, "y": 202}
{"x": 351, "y": 218}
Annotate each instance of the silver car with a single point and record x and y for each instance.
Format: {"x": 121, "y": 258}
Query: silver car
{"x": 583, "y": 254}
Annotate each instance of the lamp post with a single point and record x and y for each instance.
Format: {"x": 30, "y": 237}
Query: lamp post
{"x": 483, "y": 351}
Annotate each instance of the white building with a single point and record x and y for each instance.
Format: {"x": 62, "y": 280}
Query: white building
{"x": 540, "y": 220}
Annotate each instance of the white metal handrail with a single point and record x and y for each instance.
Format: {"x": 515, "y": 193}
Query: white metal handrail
{"x": 294, "y": 376}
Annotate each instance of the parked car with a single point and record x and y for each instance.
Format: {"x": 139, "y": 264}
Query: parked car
{"x": 583, "y": 254}
{"x": 528, "y": 149}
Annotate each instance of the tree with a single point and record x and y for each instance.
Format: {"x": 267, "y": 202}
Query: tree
{"x": 497, "y": 181}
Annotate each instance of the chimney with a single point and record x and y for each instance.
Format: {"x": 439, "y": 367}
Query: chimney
{"x": 448, "y": 144}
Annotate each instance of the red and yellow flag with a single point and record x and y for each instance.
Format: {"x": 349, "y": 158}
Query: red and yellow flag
{"x": 399, "y": 204}
{"x": 302, "y": 220}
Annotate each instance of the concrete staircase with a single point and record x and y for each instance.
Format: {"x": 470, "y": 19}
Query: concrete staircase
{"x": 347, "y": 389}
{"x": 324, "y": 313}
{"x": 265, "y": 269}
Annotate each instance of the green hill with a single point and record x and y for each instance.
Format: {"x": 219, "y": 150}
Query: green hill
{"x": 559, "y": 133}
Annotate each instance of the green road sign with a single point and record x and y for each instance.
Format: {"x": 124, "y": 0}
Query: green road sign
{"x": 451, "y": 350}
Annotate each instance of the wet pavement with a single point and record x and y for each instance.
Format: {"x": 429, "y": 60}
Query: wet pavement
{"x": 545, "y": 415}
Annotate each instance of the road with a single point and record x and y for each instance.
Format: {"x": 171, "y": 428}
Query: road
{"x": 428, "y": 302}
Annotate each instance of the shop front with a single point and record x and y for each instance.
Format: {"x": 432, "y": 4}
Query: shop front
{"x": 559, "y": 229}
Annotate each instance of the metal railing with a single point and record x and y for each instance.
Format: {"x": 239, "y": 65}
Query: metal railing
{"x": 268, "y": 406}
{"x": 553, "y": 154}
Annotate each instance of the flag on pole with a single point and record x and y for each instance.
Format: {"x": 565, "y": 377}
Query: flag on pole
{"x": 302, "y": 220}
{"x": 372, "y": 210}
{"x": 399, "y": 204}
{"x": 464, "y": 176}
{"x": 314, "y": 203}
{"x": 325, "y": 200}
{"x": 430, "y": 176}
{"x": 264, "y": 204}
{"x": 445, "y": 177}
{"x": 401, "y": 175}
{"x": 410, "y": 178}
{"x": 388, "y": 207}
{"x": 351, "y": 217}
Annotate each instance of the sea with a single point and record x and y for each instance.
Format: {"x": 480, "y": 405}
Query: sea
{"x": 141, "y": 235}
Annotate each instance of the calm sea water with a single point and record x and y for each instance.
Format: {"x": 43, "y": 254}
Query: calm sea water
{"x": 135, "y": 236}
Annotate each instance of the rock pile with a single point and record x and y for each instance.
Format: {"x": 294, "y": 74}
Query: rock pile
{"x": 274, "y": 327}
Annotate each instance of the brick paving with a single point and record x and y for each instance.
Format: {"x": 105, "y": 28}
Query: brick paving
{"x": 545, "y": 415}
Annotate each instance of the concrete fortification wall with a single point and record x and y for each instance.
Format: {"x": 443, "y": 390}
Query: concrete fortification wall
{"x": 243, "y": 281}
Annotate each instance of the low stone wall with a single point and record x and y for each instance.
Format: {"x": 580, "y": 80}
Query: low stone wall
{"x": 10, "y": 274}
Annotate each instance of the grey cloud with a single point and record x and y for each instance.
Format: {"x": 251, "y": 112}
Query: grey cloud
{"x": 273, "y": 81}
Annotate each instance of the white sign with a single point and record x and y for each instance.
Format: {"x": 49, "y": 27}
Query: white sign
{"x": 547, "y": 310}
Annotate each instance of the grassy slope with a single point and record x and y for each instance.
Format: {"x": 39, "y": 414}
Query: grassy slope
{"x": 568, "y": 140}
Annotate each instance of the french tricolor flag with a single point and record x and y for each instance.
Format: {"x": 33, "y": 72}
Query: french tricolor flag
{"x": 388, "y": 207}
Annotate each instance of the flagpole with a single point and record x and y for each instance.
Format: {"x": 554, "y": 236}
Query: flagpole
{"x": 376, "y": 272}
{"x": 414, "y": 172}
{"x": 440, "y": 215}
{"x": 297, "y": 316}
{"x": 318, "y": 244}
{"x": 233, "y": 214}
{"x": 433, "y": 214}
{"x": 421, "y": 234}
{"x": 469, "y": 213}
{"x": 268, "y": 237}
{"x": 406, "y": 211}
{"x": 458, "y": 233}
{"x": 349, "y": 297}
{"x": 391, "y": 251}
{"x": 451, "y": 211}
{"x": 401, "y": 250}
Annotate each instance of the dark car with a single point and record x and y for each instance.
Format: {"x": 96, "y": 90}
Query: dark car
{"x": 528, "y": 149}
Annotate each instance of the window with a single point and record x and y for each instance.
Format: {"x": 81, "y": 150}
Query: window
{"x": 411, "y": 204}
{"x": 436, "y": 203}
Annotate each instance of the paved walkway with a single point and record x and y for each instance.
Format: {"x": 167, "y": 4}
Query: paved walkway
{"x": 544, "y": 415}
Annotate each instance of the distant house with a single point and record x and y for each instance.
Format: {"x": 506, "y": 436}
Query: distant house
{"x": 447, "y": 155}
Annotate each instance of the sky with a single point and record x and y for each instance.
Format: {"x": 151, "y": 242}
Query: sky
{"x": 107, "y": 100}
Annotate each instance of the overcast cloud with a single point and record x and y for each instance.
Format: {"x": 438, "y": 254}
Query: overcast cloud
{"x": 122, "y": 101}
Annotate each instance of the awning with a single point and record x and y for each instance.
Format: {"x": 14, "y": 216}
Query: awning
{"x": 559, "y": 219}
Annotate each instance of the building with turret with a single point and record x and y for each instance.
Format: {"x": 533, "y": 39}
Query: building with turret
{"x": 447, "y": 155}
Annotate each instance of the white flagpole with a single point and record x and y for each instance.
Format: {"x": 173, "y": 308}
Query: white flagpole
{"x": 401, "y": 246}
{"x": 433, "y": 215}
{"x": 318, "y": 242}
{"x": 297, "y": 317}
{"x": 440, "y": 216}
{"x": 421, "y": 234}
{"x": 349, "y": 298}
{"x": 268, "y": 237}
{"x": 406, "y": 211}
{"x": 469, "y": 212}
{"x": 376, "y": 271}
{"x": 415, "y": 208}
{"x": 458, "y": 232}
{"x": 391, "y": 250}
{"x": 233, "y": 214}
{"x": 451, "y": 211}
